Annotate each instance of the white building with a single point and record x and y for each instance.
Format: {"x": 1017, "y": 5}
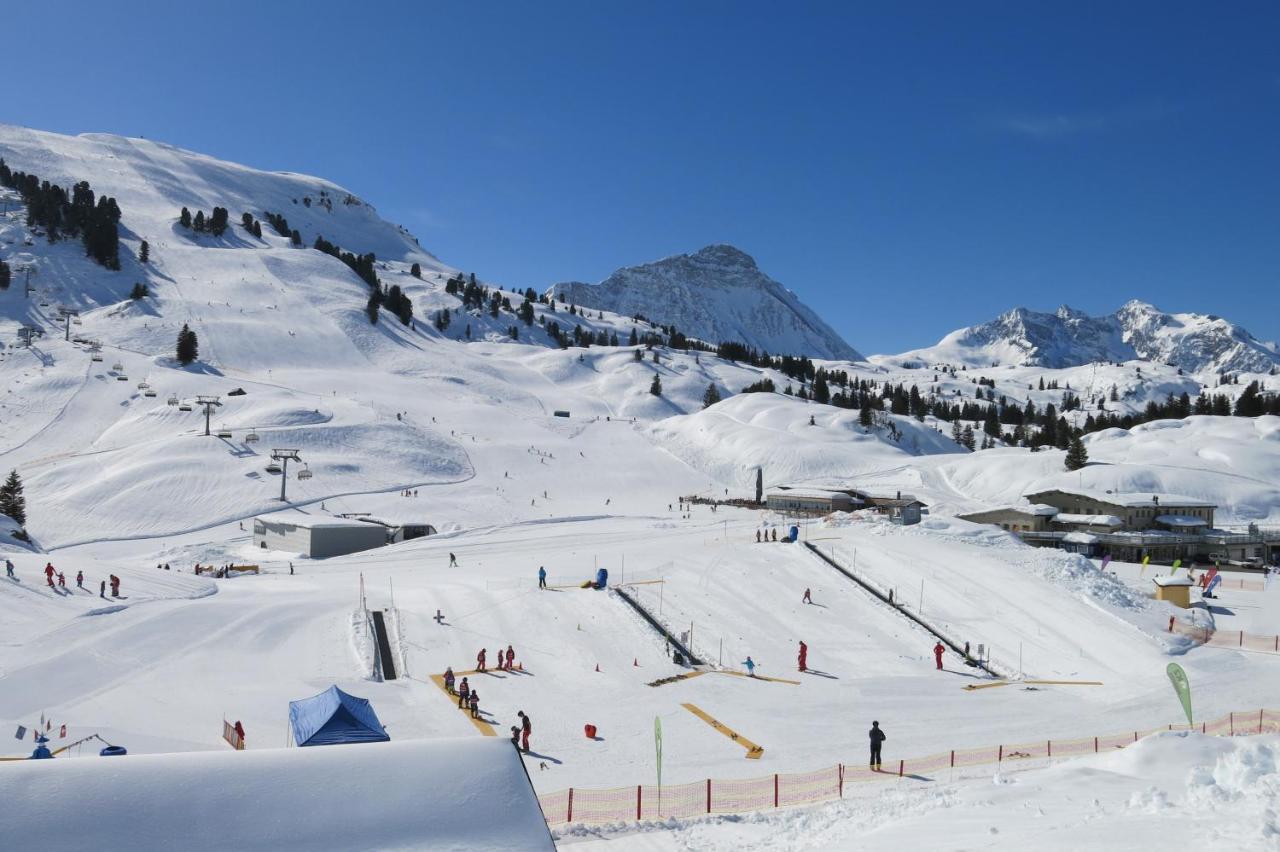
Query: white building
{"x": 316, "y": 536}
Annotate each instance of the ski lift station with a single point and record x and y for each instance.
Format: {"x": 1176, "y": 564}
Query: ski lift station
{"x": 316, "y": 536}
{"x": 397, "y": 528}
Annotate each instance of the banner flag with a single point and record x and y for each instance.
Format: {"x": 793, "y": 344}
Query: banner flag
{"x": 1180, "y": 685}
{"x": 1106, "y": 560}
{"x": 1213, "y": 584}
{"x": 1145, "y": 560}
{"x": 1177, "y": 563}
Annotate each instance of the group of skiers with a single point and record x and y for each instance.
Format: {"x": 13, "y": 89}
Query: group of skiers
{"x": 763, "y": 535}
{"x": 506, "y": 662}
{"x": 469, "y": 699}
{"x": 58, "y": 580}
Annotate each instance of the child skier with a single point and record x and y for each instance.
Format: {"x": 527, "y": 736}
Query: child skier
{"x": 511, "y": 657}
{"x": 938, "y": 651}
{"x": 474, "y": 701}
{"x": 804, "y": 657}
{"x": 526, "y": 727}
{"x": 480, "y": 660}
{"x": 464, "y": 692}
{"x": 751, "y": 666}
{"x": 448, "y": 680}
{"x": 79, "y": 579}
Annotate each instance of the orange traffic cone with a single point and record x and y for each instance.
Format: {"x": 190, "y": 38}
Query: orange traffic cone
{"x": 635, "y": 661}
{"x": 597, "y": 667}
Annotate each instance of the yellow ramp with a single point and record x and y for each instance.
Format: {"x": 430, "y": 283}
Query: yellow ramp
{"x": 754, "y": 752}
{"x": 481, "y": 725}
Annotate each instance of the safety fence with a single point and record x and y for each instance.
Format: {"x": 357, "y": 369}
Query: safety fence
{"x": 715, "y": 796}
{"x": 1228, "y": 638}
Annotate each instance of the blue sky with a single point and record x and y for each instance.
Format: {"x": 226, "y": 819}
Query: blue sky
{"x": 906, "y": 168}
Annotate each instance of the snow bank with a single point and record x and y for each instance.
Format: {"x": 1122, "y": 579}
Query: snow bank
{"x": 439, "y": 794}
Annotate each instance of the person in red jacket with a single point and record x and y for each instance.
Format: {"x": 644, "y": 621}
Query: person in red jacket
{"x": 938, "y": 651}
{"x": 511, "y": 657}
{"x": 804, "y": 657}
{"x": 480, "y": 660}
{"x": 526, "y": 727}
{"x": 48, "y": 573}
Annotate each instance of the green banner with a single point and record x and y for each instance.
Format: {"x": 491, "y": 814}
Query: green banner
{"x": 1177, "y": 563}
{"x": 1181, "y": 686}
{"x": 657, "y": 745}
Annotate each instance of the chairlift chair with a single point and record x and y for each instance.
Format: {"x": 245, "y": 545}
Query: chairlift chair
{"x": 77, "y": 321}
{"x": 251, "y": 438}
{"x": 122, "y": 378}
{"x": 117, "y": 366}
{"x": 173, "y": 400}
{"x": 143, "y": 385}
{"x": 184, "y": 407}
{"x": 224, "y": 432}
{"x": 305, "y": 473}
{"x": 272, "y": 467}
{"x": 96, "y": 357}
{"x": 148, "y": 392}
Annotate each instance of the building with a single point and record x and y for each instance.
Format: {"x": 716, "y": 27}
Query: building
{"x": 316, "y": 536}
{"x": 810, "y": 500}
{"x": 1134, "y": 511}
{"x": 398, "y": 529}
{"x": 1033, "y": 518}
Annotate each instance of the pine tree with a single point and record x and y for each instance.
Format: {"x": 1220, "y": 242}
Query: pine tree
{"x": 821, "y": 393}
{"x": 6, "y": 275}
{"x": 416, "y": 270}
{"x": 967, "y": 438}
{"x": 257, "y": 229}
{"x": 295, "y": 237}
{"x": 198, "y": 224}
{"x": 864, "y": 416}
{"x": 639, "y": 355}
{"x": 655, "y": 387}
{"x": 188, "y": 345}
{"x": 144, "y": 252}
{"x": 955, "y": 430}
{"x": 759, "y": 485}
{"x": 372, "y": 306}
{"x": 185, "y": 219}
{"x": 1077, "y": 456}
{"x": 711, "y": 396}
{"x": 139, "y": 291}
{"x": 12, "y": 501}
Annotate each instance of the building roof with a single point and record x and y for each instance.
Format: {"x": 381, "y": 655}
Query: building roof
{"x": 1171, "y": 581}
{"x": 1181, "y": 521}
{"x": 305, "y": 521}
{"x": 1129, "y": 500}
{"x": 1091, "y": 520}
{"x": 1080, "y": 538}
{"x": 813, "y": 494}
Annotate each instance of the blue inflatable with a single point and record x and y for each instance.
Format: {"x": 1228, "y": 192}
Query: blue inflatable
{"x": 602, "y": 578}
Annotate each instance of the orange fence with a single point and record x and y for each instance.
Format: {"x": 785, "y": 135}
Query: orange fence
{"x": 780, "y": 790}
{"x": 1229, "y": 638}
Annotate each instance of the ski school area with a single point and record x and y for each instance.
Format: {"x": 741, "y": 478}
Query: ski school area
{"x": 677, "y": 666}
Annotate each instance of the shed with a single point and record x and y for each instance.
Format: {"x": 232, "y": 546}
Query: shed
{"x": 397, "y": 528}
{"x": 1175, "y": 590}
{"x": 810, "y": 500}
{"x": 334, "y": 717}
{"x": 316, "y": 536}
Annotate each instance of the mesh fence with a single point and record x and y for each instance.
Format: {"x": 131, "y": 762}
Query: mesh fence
{"x": 1229, "y": 638}
{"x": 719, "y": 796}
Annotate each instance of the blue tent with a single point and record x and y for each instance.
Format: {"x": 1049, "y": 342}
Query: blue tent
{"x": 334, "y": 717}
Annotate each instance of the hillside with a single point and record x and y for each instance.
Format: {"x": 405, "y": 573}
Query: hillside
{"x": 715, "y": 294}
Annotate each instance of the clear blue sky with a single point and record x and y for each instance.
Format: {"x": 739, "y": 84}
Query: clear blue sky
{"x": 906, "y": 168}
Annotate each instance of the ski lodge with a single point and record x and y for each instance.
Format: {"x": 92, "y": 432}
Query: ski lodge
{"x": 898, "y": 507}
{"x": 315, "y": 536}
{"x": 1129, "y": 527}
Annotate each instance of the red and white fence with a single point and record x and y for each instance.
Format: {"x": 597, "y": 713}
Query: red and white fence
{"x": 780, "y": 790}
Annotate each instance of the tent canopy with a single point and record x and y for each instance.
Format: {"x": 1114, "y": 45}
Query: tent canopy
{"x": 334, "y": 717}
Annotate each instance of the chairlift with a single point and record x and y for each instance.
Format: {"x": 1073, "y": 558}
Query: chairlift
{"x": 173, "y": 400}
{"x": 184, "y": 407}
{"x": 77, "y": 321}
{"x": 143, "y": 385}
{"x": 122, "y": 378}
{"x": 251, "y": 438}
{"x": 117, "y": 366}
{"x": 272, "y": 467}
{"x": 305, "y": 473}
{"x": 224, "y": 432}
{"x": 148, "y": 392}
{"x": 96, "y": 357}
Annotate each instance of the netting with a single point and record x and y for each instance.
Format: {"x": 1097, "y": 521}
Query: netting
{"x": 720, "y": 796}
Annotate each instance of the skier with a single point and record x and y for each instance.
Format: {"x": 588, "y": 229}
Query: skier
{"x": 480, "y": 660}
{"x": 804, "y": 657}
{"x": 775, "y": 534}
{"x": 102, "y": 590}
{"x": 757, "y": 536}
{"x": 515, "y": 737}
{"x": 448, "y": 681}
{"x": 808, "y": 598}
{"x": 474, "y": 701}
{"x": 511, "y": 657}
{"x": 240, "y": 732}
{"x": 877, "y": 739}
{"x": 62, "y": 580}
{"x": 542, "y": 577}
{"x": 115, "y": 586}
{"x": 453, "y": 561}
{"x": 463, "y": 692}
{"x": 938, "y": 651}
{"x": 8, "y": 569}
{"x": 526, "y": 727}
{"x": 501, "y": 665}
{"x": 751, "y": 666}
{"x": 48, "y": 573}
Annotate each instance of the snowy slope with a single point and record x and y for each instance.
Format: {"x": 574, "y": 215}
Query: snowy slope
{"x": 715, "y": 294}
{"x": 1194, "y": 342}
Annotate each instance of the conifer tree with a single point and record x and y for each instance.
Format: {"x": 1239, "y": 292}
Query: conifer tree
{"x": 188, "y": 345}
{"x": 198, "y": 224}
{"x": 655, "y": 387}
{"x": 1077, "y": 456}
{"x": 185, "y": 219}
{"x": 12, "y": 501}
{"x": 6, "y": 275}
{"x": 144, "y": 252}
{"x": 416, "y": 270}
{"x": 139, "y": 291}
{"x": 372, "y": 306}
{"x": 711, "y": 396}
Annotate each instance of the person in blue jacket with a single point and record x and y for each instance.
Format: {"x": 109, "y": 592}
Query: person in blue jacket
{"x": 542, "y": 577}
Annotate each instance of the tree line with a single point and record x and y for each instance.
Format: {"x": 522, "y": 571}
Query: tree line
{"x": 80, "y": 213}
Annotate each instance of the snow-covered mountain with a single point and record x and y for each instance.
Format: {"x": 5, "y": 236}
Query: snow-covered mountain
{"x": 715, "y": 294}
{"x": 1137, "y": 331}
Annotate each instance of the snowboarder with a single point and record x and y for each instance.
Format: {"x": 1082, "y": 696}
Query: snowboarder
{"x": 804, "y": 657}
{"x": 511, "y": 657}
{"x": 751, "y": 666}
{"x": 542, "y": 577}
{"x": 453, "y": 561}
{"x": 877, "y": 739}
{"x": 463, "y": 691}
{"x": 8, "y": 569}
{"x": 102, "y": 590}
{"x": 808, "y": 598}
{"x": 480, "y": 660}
{"x": 474, "y": 702}
{"x": 938, "y": 651}
{"x": 526, "y": 727}
{"x": 448, "y": 680}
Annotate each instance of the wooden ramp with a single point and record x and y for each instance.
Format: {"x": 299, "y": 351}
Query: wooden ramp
{"x": 754, "y": 752}
{"x": 972, "y": 686}
{"x": 481, "y": 725}
{"x": 677, "y": 678}
{"x": 757, "y": 677}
